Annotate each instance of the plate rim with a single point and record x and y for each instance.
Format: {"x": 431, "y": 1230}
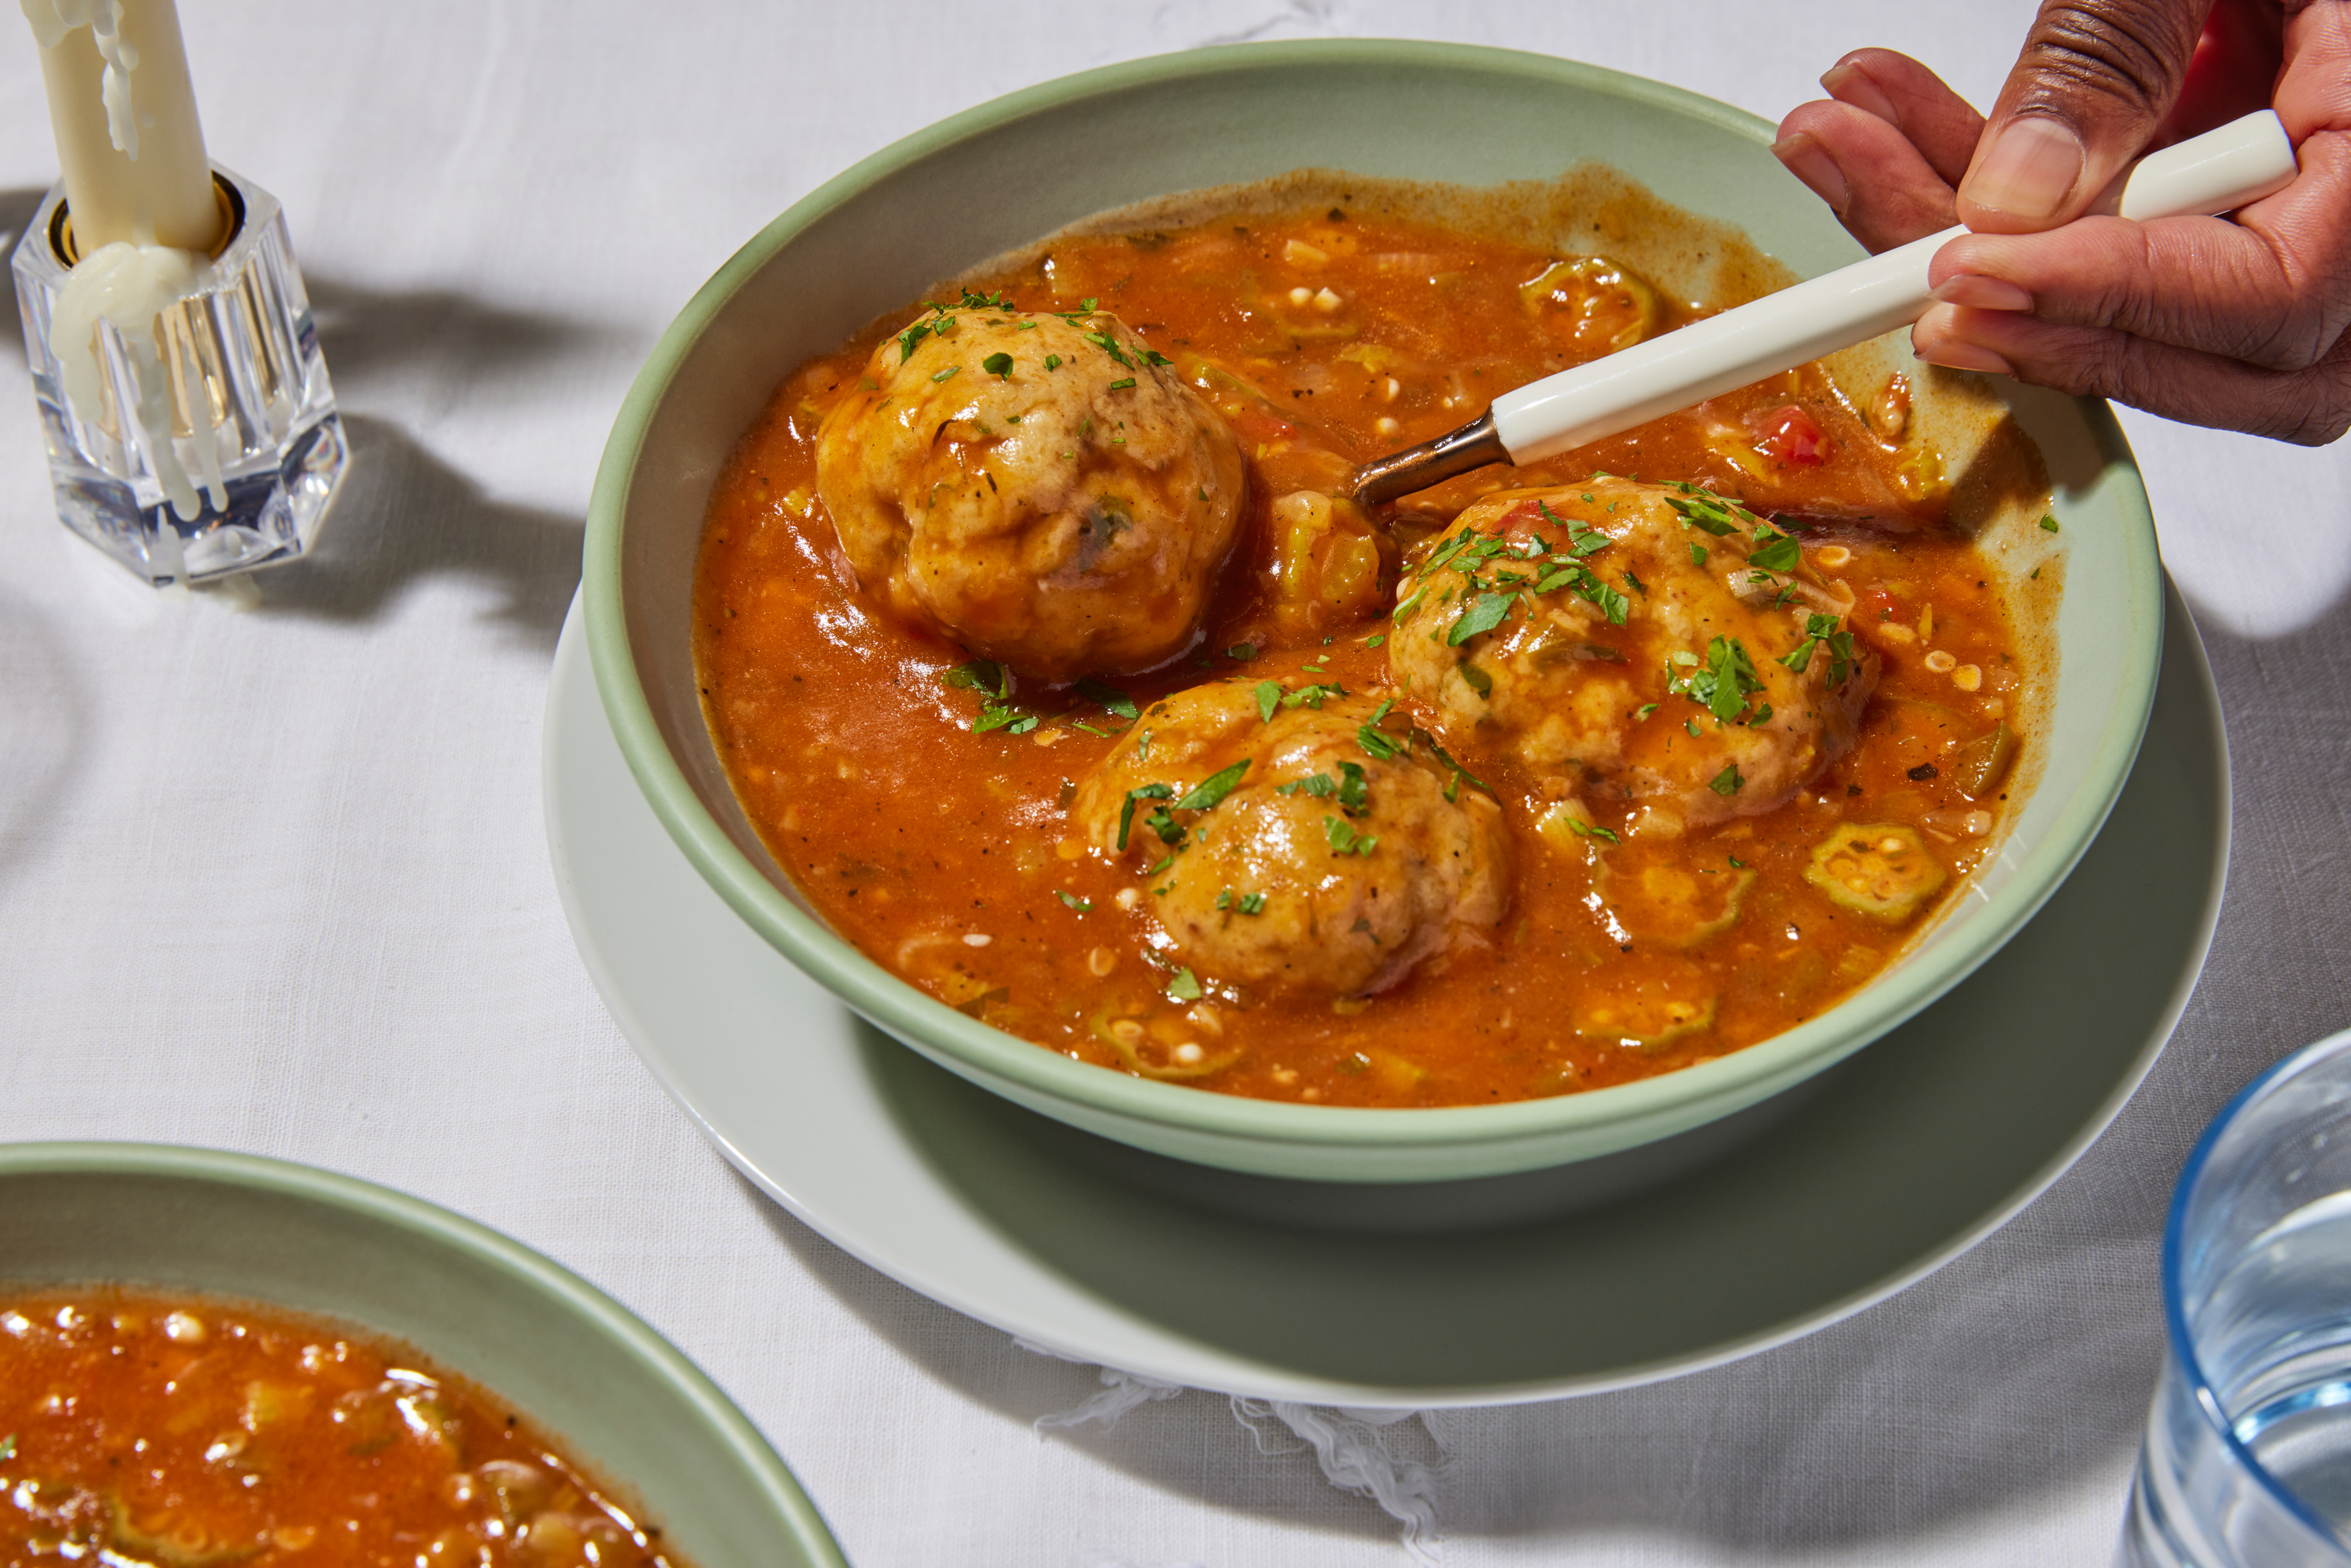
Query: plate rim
{"x": 1191, "y": 1363}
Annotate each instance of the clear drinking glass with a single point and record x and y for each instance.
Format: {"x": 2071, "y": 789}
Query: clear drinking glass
{"x": 2247, "y": 1462}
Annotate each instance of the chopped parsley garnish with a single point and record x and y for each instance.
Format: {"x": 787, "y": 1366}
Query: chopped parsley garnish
{"x": 981, "y": 675}
{"x": 1185, "y": 988}
{"x": 1582, "y": 542}
{"x": 1448, "y": 551}
{"x": 1586, "y": 585}
{"x": 1109, "y": 698}
{"x": 1073, "y": 900}
{"x": 1604, "y": 598}
{"x": 1244, "y": 651}
{"x": 1206, "y": 795}
{"x": 1638, "y": 587}
{"x": 1053, "y": 361}
{"x": 1380, "y": 746}
{"x": 1460, "y": 775}
{"x": 1728, "y": 783}
{"x": 910, "y": 337}
{"x": 1109, "y": 345}
{"x": 1409, "y": 605}
{"x": 1345, "y": 841}
{"x": 1246, "y": 903}
{"x": 1697, "y": 553}
{"x": 1646, "y": 710}
{"x": 996, "y": 301}
{"x": 1583, "y": 829}
{"x": 946, "y": 373}
{"x": 1317, "y": 784}
{"x": 1722, "y": 683}
{"x": 1355, "y": 790}
{"x": 1312, "y": 696}
{"x": 1011, "y": 720}
{"x": 1269, "y": 697}
{"x": 1709, "y": 512}
{"x": 1375, "y": 638}
{"x": 1476, "y": 680}
{"x": 997, "y": 365}
{"x": 1482, "y": 614}
{"x": 2048, "y": 524}
{"x": 1122, "y": 384}
{"x": 993, "y": 682}
{"x": 1822, "y": 630}
{"x": 1141, "y": 792}
{"x": 1735, "y": 862}
{"x": 1774, "y": 551}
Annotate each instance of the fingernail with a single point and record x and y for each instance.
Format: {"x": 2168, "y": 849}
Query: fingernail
{"x": 1981, "y": 292}
{"x": 1967, "y": 357}
{"x": 1807, "y": 160}
{"x": 1849, "y": 84}
{"x": 2030, "y": 170}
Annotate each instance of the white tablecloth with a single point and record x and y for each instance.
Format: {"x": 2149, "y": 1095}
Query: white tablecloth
{"x": 276, "y": 880}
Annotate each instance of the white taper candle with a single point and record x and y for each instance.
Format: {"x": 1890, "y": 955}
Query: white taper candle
{"x": 128, "y": 143}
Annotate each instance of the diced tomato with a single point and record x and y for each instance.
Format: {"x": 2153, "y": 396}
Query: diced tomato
{"x": 1257, "y": 427}
{"x": 1789, "y": 435}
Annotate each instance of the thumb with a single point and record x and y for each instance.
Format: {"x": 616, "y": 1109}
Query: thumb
{"x": 2095, "y": 82}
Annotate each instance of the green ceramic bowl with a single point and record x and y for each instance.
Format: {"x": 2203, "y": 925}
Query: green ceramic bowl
{"x": 1005, "y": 174}
{"x": 619, "y": 1397}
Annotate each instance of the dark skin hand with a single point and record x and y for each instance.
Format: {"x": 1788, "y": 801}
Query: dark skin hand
{"x": 2238, "y": 325}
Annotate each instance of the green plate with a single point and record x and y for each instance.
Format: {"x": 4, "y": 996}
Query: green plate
{"x": 1011, "y": 172}
{"x": 619, "y": 1397}
{"x": 1903, "y": 1158}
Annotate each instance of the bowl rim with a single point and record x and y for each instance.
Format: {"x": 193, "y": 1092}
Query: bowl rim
{"x": 1043, "y": 1078}
{"x": 557, "y": 1287}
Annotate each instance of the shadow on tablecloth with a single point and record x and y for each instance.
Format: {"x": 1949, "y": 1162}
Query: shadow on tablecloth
{"x": 43, "y": 737}
{"x": 404, "y": 516}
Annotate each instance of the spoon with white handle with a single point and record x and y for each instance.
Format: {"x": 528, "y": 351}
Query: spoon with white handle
{"x": 2218, "y": 172}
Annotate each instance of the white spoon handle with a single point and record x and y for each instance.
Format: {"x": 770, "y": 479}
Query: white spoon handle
{"x": 2218, "y": 172}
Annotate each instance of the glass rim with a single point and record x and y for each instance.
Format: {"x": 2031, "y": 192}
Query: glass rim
{"x": 2175, "y": 1316}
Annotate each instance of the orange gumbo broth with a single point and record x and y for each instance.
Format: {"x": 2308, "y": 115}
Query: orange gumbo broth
{"x": 186, "y": 1433}
{"x": 1324, "y": 338}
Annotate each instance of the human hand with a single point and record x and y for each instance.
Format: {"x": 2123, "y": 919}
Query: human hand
{"x": 2235, "y": 325}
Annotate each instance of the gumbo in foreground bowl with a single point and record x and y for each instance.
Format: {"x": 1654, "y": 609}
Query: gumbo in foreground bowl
{"x": 209, "y": 1358}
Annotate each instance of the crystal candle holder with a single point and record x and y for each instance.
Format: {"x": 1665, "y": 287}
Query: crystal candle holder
{"x": 252, "y": 415}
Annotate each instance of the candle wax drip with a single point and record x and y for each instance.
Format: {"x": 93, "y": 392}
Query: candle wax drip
{"x": 132, "y": 286}
{"x": 53, "y": 19}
